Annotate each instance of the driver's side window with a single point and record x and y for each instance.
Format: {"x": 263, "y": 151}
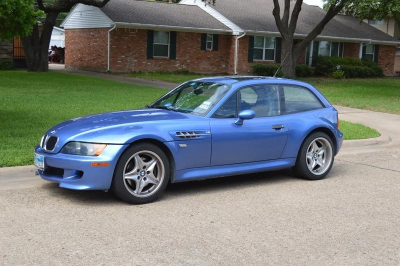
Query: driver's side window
{"x": 228, "y": 109}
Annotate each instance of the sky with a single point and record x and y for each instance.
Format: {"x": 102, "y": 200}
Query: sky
{"x": 314, "y": 2}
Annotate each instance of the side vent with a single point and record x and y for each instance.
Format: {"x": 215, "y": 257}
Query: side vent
{"x": 187, "y": 134}
{"x": 181, "y": 135}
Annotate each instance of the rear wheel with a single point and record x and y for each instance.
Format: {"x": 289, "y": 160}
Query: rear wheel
{"x": 141, "y": 175}
{"x": 315, "y": 158}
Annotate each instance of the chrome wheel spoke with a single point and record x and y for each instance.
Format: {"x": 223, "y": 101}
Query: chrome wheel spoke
{"x": 144, "y": 173}
{"x": 319, "y": 156}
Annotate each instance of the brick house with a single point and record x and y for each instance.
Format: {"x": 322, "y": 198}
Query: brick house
{"x": 130, "y": 35}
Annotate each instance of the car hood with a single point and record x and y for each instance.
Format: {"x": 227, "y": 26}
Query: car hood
{"x": 120, "y": 127}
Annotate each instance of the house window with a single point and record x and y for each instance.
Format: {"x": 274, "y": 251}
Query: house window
{"x": 161, "y": 44}
{"x": 209, "y": 43}
{"x": 369, "y": 52}
{"x": 264, "y": 48}
{"x": 329, "y": 48}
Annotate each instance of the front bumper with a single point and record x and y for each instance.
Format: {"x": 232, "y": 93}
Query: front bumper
{"x": 77, "y": 172}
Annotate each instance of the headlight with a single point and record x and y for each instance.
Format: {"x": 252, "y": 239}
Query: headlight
{"x": 82, "y": 148}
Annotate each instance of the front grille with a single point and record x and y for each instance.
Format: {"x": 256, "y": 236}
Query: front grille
{"x": 48, "y": 143}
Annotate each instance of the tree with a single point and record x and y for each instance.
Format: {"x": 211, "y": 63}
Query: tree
{"x": 287, "y": 26}
{"x": 375, "y": 9}
{"x": 17, "y": 18}
{"x": 26, "y": 16}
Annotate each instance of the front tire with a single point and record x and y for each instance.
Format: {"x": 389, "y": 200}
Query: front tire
{"x": 141, "y": 174}
{"x": 315, "y": 158}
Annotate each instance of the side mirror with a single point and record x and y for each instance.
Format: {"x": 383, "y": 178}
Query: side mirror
{"x": 245, "y": 115}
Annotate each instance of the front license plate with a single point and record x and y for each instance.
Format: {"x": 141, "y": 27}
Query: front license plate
{"x": 39, "y": 161}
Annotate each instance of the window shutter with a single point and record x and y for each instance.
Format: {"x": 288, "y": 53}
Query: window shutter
{"x": 150, "y": 42}
{"x": 215, "y": 42}
{"x": 341, "y": 47}
{"x": 251, "y": 48}
{"x": 364, "y": 50}
{"x": 204, "y": 41}
{"x": 172, "y": 45}
{"x": 376, "y": 53}
{"x": 278, "y": 49}
{"x": 315, "y": 51}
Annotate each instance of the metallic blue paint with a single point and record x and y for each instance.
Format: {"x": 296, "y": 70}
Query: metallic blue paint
{"x": 222, "y": 148}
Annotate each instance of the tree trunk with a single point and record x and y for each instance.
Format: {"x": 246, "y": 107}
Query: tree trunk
{"x": 36, "y": 45}
{"x": 290, "y": 58}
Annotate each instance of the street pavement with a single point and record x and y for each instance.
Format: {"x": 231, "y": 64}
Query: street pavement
{"x": 273, "y": 218}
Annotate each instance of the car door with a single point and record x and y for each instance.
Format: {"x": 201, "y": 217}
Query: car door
{"x": 259, "y": 139}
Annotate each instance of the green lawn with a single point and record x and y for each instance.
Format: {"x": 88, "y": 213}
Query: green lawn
{"x": 31, "y": 103}
{"x": 165, "y": 76}
{"x": 357, "y": 131}
{"x": 381, "y": 94}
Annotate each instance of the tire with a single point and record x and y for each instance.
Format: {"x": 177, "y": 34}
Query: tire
{"x": 141, "y": 174}
{"x": 315, "y": 158}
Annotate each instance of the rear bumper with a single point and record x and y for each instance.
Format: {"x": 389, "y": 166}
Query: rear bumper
{"x": 77, "y": 172}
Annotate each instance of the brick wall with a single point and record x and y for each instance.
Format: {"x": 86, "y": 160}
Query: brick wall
{"x": 351, "y": 49}
{"x": 386, "y": 58}
{"x": 129, "y": 53}
{"x": 86, "y": 49}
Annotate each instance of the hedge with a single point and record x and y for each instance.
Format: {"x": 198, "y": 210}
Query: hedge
{"x": 352, "y": 67}
{"x": 6, "y": 65}
{"x": 270, "y": 70}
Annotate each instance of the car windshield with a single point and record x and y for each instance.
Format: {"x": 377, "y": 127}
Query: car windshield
{"x": 195, "y": 97}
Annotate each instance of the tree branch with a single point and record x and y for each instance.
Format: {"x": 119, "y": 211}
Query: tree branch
{"x": 286, "y": 11}
{"x": 276, "y": 12}
{"x": 295, "y": 16}
{"x": 66, "y": 5}
{"x": 332, "y": 11}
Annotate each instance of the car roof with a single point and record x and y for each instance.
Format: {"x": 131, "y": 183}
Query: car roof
{"x": 239, "y": 80}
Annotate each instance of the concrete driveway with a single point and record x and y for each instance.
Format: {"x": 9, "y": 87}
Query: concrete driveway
{"x": 350, "y": 218}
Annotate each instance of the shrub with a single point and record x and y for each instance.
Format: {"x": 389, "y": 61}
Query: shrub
{"x": 6, "y": 65}
{"x": 266, "y": 70}
{"x": 378, "y": 71}
{"x": 352, "y": 67}
{"x": 304, "y": 71}
{"x": 338, "y": 74}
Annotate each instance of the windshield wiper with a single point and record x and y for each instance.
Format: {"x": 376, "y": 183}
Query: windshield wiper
{"x": 169, "y": 108}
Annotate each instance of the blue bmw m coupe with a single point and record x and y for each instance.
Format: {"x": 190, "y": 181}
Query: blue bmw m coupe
{"x": 205, "y": 128}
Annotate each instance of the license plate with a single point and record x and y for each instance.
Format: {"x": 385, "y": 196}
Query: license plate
{"x": 39, "y": 161}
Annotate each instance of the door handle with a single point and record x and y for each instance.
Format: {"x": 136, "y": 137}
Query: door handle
{"x": 276, "y": 127}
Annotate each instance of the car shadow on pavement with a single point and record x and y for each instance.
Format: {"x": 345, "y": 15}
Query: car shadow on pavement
{"x": 176, "y": 190}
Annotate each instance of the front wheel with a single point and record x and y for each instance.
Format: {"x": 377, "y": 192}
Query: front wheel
{"x": 315, "y": 158}
{"x": 141, "y": 174}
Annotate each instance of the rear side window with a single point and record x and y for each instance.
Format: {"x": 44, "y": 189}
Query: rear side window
{"x": 299, "y": 99}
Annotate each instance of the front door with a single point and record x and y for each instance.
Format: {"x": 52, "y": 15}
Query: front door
{"x": 259, "y": 139}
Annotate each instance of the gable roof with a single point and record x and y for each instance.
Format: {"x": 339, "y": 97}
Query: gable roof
{"x": 226, "y": 16}
{"x": 255, "y": 16}
{"x": 161, "y": 14}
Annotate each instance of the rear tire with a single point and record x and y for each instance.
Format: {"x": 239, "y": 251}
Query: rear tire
{"x": 141, "y": 174}
{"x": 315, "y": 158}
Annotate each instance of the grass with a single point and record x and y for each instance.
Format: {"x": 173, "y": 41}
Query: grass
{"x": 382, "y": 94}
{"x": 31, "y": 103}
{"x": 175, "y": 77}
{"x": 353, "y": 131}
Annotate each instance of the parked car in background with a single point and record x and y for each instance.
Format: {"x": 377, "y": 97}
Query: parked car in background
{"x": 205, "y": 128}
